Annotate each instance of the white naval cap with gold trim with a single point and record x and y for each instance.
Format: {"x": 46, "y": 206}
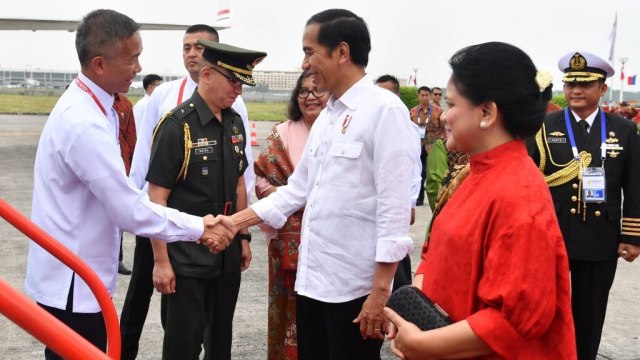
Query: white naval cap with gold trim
{"x": 238, "y": 61}
{"x": 581, "y": 66}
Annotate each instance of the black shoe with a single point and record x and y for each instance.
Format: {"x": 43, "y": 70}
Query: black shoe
{"x": 122, "y": 269}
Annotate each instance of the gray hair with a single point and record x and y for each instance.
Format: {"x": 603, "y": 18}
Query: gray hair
{"x": 101, "y": 32}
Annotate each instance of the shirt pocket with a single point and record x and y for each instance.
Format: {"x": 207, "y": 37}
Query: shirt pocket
{"x": 346, "y": 164}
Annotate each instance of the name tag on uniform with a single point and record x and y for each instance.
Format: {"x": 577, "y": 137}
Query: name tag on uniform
{"x": 556, "y": 140}
{"x": 202, "y": 151}
{"x": 203, "y": 143}
{"x": 594, "y": 185}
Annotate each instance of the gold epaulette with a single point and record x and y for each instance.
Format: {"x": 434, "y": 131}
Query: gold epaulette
{"x": 187, "y": 144}
{"x": 568, "y": 171}
{"x": 630, "y": 226}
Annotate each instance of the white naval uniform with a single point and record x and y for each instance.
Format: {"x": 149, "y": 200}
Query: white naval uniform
{"x": 164, "y": 99}
{"x": 82, "y": 196}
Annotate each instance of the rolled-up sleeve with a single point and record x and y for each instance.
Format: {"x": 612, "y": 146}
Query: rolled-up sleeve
{"x": 518, "y": 289}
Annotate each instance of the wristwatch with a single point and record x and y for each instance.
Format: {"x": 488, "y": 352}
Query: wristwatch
{"x": 245, "y": 237}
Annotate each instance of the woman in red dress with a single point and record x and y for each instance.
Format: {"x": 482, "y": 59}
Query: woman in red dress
{"x": 496, "y": 261}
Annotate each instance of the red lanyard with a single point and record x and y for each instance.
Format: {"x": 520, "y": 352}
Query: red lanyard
{"x": 86, "y": 89}
{"x": 184, "y": 82}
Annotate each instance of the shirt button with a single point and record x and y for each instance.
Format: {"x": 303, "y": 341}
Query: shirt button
{"x": 573, "y": 211}
{"x": 597, "y": 213}
{"x": 575, "y": 186}
{"x": 574, "y": 198}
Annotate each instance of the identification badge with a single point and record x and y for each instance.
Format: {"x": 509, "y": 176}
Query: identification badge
{"x": 556, "y": 140}
{"x": 202, "y": 151}
{"x": 593, "y": 185}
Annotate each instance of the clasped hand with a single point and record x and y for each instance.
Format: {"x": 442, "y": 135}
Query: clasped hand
{"x": 218, "y": 232}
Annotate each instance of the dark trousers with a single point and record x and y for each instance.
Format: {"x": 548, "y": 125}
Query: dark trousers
{"x": 88, "y": 325}
{"x": 121, "y": 255}
{"x": 423, "y": 174}
{"x": 403, "y": 273}
{"x": 200, "y": 312}
{"x": 326, "y": 331}
{"x": 136, "y": 302}
{"x": 590, "y": 285}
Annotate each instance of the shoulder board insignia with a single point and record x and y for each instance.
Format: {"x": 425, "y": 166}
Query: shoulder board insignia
{"x": 556, "y": 133}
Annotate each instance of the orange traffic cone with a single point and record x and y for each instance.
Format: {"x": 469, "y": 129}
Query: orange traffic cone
{"x": 254, "y": 137}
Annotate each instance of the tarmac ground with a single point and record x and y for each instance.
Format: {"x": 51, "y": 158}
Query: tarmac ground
{"x": 19, "y": 136}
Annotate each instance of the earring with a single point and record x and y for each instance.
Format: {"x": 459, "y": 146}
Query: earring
{"x": 483, "y": 125}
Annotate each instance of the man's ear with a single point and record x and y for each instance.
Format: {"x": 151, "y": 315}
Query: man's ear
{"x": 98, "y": 65}
{"x": 343, "y": 51}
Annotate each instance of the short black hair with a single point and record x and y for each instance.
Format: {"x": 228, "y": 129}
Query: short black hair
{"x": 150, "y": 79}
{"x": 504, "y": 74}
{"x": 434, "y": 89}
{"x": 101, "y": 32}
{"x": 424, "y": 88}
{"x": 340, "y": 25}
{"x": 293, "y": 110}
{"x": 389, "y": 78}
{"x": 203, "y": 28}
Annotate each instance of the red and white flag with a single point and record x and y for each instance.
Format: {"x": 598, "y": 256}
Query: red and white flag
{"x": 612, "y": 39}
{"x": 622, "y": 72}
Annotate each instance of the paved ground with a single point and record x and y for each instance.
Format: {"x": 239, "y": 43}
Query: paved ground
{"x": 18, "y": 140}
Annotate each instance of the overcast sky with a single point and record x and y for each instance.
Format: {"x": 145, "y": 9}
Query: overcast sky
{"x": 405, "y": 34}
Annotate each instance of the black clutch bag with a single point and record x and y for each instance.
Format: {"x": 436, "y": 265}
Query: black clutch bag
{"x": 414, "y": 306}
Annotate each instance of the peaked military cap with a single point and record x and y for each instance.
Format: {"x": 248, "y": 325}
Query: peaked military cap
{"x": 581, "y": 66}
{"x": 240, "y": 62}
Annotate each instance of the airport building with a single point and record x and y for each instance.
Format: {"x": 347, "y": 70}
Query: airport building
{"x": 276, "y": 81}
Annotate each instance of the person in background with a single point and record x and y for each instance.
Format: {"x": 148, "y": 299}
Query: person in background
{"x": 440, "y": 162}
{"x": 436, "y": 98}
{"x": 149, "y": 83}
{"x": 481, "y": 272}
{"x": 607, "y": 147}
{"x": 427, "y": 117}
{"x": 285, "y": 145}
{"x": 78, "y": 170}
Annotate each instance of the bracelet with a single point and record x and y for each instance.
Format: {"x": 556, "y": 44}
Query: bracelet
{"x": 245, "y": 237}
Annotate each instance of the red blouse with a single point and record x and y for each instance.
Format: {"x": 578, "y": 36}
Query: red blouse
{"x": 497, "y": 259}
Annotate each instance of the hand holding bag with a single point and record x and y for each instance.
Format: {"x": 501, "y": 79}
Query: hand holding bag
{"x": 414, "y": 306}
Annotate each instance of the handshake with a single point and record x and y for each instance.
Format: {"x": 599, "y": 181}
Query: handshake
{"x": 218, "y": 232}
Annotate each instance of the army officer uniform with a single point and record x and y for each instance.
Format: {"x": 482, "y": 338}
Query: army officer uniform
{"x": 200, "y": 159}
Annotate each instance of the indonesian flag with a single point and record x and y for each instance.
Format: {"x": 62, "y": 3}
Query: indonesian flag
{"x": 612, "y": 39}
{"x": 411, "y": 81}
{"x": 622, "y": 72}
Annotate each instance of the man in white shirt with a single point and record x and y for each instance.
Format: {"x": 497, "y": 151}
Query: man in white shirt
{"x": 149, "y": 83}
{"x": 164, "y": 98}
{"x": 355, "y": 178}
{"x": 81, "y": 194}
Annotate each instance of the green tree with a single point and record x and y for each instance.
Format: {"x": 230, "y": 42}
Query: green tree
{"x": 559, "y": 100}
{"x": 409, "y": 96}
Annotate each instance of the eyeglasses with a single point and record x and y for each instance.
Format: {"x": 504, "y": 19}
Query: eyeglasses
{"x": 232, "y": 80}
{"x": 304, "y": 93}
{"x": 437, "y": 94}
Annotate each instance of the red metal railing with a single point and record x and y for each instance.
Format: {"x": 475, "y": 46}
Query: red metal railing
{"x": 44, "y": 326}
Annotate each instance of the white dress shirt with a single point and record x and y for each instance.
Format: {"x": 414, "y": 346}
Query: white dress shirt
{"x": 81, "y": 196}
{"x": 355, "y": 179}
{"x": 138, "y": 111}
{"x": 164, "y": 98}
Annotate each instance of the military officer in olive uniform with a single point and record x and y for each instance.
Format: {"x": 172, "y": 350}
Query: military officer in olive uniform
{"x": 197, "y": 165}
{"x": 589, "y": 158}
